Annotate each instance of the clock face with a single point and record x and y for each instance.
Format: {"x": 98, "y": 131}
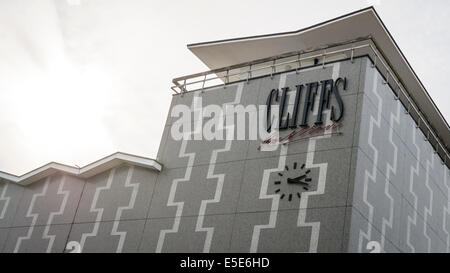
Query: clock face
{"x": 293, "y": 181}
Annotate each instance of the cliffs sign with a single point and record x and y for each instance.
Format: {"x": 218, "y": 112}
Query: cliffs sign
{"x": 329, "y": 91}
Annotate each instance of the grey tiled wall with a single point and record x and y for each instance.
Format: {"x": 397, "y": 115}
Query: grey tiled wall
{"x": 401, "y": 189}
{"x": 244, "y": 213}
{"x": 105, "y": 213}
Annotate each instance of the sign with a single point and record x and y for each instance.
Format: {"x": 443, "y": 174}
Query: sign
{"x": 329, "y": 91}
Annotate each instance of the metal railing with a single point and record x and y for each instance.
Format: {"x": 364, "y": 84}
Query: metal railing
{"x": 223, "y": 77}
{"x": 182, "y": 83}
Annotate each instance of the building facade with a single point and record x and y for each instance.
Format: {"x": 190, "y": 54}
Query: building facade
{"x": 330, "y": 148}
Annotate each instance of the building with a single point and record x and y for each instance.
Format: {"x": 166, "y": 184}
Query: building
{"x": 317, "y": 140}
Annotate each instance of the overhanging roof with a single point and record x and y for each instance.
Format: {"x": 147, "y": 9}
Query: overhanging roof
{"x": 362, "y": 23}
{"x": 87, "y": 171}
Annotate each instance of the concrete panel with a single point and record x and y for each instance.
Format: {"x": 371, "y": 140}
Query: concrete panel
{"x": 359, "y": 241}
{"x": 200, "y": 190}
{"x": 438, "y": 175}
{"x": 123, "y": 193}
{"x": 239, "y": 93}
{"x": 416, "y": 143}
{"x": 177, "y": 153}
{"x": 377, "y": 200}
{"x": 420, "y": 195}
{"x": 110, "y": 237}
{"x": 437, "y": 211}
{"x": 381, "y": 96}
{"x": 173, "y": 102}
{"x": 51, "y": 201}
{"x": 320, "y": 232}
{"x": 37, "y": 239}
{"x": 380, "y": 142}
{"x": 10, "y": 196}
{"x": 243, "y": 93}
{"x": 163, "y": 143}
{"x": 211, "y": 233}
{"x": 327, "y": 171}
{"x": 396, "y": 189}
{"x": 416, "y": 233}
{"x": 3, "y": 237}
{"x": 415, "y": 175}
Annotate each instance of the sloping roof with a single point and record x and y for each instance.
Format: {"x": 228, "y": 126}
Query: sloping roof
{"x": 87, "y": 171}
{"x": 361, "y": 23}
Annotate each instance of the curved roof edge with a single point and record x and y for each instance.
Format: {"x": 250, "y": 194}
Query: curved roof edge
{"x": 87, "y": 171}
{"x": 238, "y": 39}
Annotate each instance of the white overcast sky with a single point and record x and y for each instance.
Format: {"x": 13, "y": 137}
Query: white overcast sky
{"x": 81, "y": 79}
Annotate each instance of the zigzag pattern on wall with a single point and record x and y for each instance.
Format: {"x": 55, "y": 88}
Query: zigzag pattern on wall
{"x": 173, "y": 189}
{"x": 229, "y": 130}
{"x": 416, "y": 206}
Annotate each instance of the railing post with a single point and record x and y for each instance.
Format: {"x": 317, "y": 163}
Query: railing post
{"x": 227, "y": 79}
{"x": 351, "y": 57}
{"x": 427, "y": 136}
{"x": 409, "y": 107}
{"x": 323, "y": 59}
{"x": 273, "y": 69}
{"x": 387, "y": 77}
{"x": 183, "y": 87}
{"x": 203, "y": 84}
{"x": 397, "y": 95}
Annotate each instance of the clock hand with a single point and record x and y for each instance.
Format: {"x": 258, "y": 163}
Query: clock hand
{"x": 300, "y": 177}
{"x": 296, "y": 181}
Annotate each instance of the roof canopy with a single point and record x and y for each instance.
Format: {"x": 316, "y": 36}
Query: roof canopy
{"x": 362, "y": 23}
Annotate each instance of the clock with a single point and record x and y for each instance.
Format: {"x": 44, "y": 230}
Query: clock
{"x": 293, "y": 181}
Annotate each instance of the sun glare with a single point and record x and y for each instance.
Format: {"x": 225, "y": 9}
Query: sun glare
{"x": 62, "y": 106}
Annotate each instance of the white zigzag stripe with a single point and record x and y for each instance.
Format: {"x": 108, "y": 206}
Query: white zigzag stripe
{"x": 99, "y": 211}
{"x": 5, "y": 198}
{"x": 428, "y": 211}
{"x": 275, "y": 200}
{"x": 321, "y": 182}
{"x": 413, "y": 170}
{"x": 263, "y": 192}
{"x": 220, "y": 177}
{"x": 446, "y": 210}
{"x": 390, "y": 169}
{"x": 130, "y": 205}
{"x": 304, "y": 202}
{"x": 301, "y": 222}
{"x": 53, "y": 214}
{"x": 187, "y": 176}
{"x": 30, "y": 214}
{"x": 372, "y": 175}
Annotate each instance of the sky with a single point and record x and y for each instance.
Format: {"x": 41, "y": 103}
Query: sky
{"x": 81, "y": 79}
